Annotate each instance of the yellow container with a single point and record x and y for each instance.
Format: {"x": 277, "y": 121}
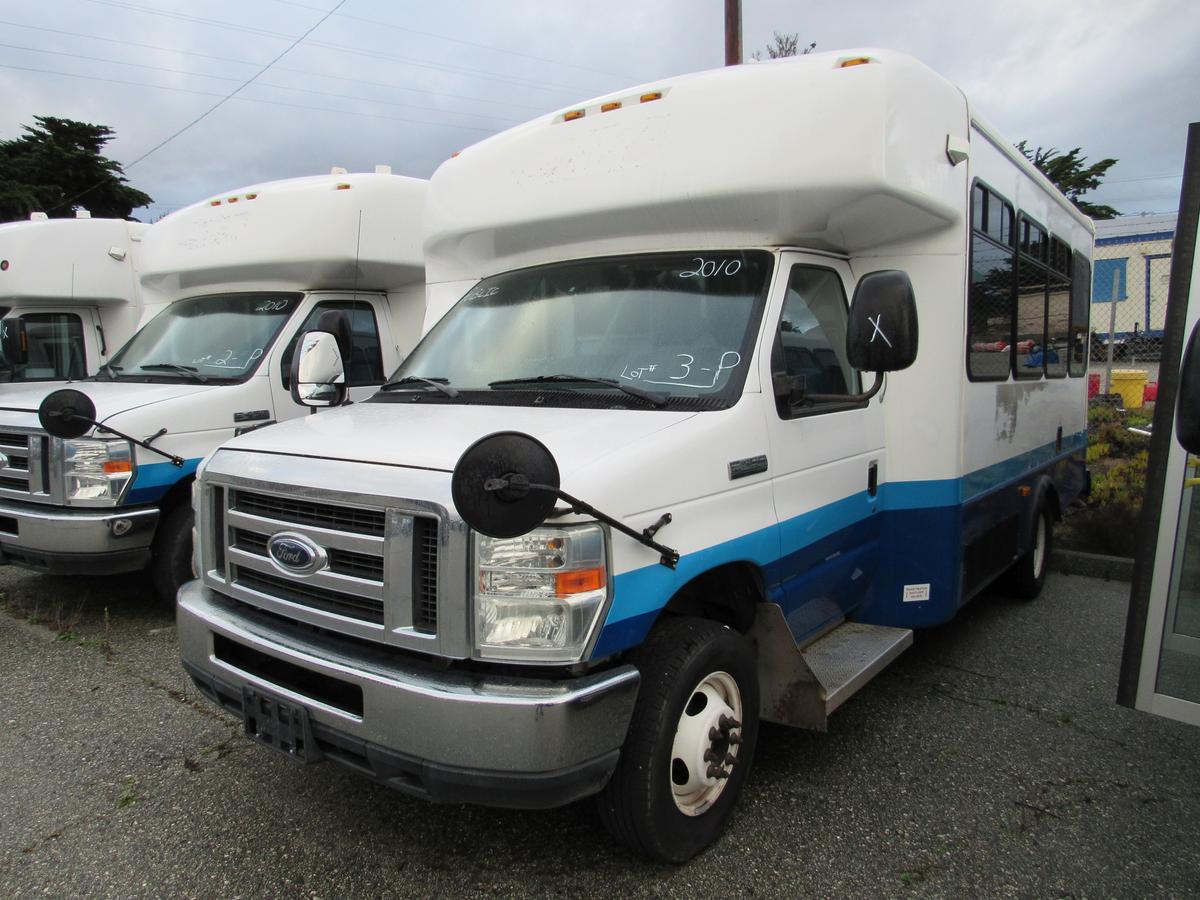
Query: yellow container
{"x": 1129, "y": 383}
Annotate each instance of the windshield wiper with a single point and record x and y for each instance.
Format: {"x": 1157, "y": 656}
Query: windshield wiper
{"x": 189, "y": 371}
{"x": 649, "y": 396}
{"x": 441, "y": 384}
{"x": 111, "y": 370}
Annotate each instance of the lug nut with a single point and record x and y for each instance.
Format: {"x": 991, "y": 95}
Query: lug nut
{"x": 735, "y": 738}
{"x": 717, "y": 772}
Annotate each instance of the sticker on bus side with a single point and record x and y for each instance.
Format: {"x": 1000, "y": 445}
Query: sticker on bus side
{"x": 915, "y": 592}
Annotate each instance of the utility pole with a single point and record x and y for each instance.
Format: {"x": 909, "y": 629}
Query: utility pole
{"x": 733, "y": 32}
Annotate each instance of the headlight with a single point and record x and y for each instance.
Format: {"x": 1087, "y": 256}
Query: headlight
{"x": 538, "y": 597}
{"x": 96, "y": 472}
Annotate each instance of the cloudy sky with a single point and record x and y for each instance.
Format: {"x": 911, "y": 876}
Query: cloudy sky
{"x": 407, "y": 83}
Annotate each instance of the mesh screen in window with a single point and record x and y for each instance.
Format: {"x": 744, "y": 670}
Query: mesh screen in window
{"x": 990, "y": 310}
{"x": 1031, "y": 318}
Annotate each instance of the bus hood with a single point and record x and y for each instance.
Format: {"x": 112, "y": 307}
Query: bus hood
{"x": 434, "y": 436}
{"x": 111, "y": 397}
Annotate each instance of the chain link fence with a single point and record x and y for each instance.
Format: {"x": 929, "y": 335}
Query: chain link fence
{"x": 1130, "y": 270}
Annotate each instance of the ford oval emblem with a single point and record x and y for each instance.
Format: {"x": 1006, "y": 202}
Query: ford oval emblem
{"x": 295, "y": 554}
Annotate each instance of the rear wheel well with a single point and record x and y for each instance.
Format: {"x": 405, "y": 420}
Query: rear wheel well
{"x": 1050, "y": 498}
{"x": 728, "y": 594}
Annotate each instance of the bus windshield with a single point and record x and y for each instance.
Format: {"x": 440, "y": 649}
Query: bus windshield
{"x": 678, "y": 325}
{"x": 222, "y": 337}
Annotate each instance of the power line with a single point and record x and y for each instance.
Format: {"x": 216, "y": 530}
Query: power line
{"x": 235, "y": 91}
{"x": 244, "y": 62}
{"x": 343, "y": 48}
{"x": 454, "y": 40}
{"x": 164, "y": 87}
{"x": 1143, "y": 178}
{"x": 280, "y": 87}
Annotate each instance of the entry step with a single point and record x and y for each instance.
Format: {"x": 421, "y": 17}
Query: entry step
{"x": 851, "y": 655}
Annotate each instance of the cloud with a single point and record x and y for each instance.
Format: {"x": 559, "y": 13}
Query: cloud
{"x": 377, "y": 86}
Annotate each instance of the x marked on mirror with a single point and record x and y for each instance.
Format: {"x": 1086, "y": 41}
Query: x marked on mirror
{"x": 878, "y": 331}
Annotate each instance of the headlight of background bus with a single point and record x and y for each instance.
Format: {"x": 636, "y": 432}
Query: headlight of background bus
{"x": 96, "y": 472}
{"x": 538, "y": 597}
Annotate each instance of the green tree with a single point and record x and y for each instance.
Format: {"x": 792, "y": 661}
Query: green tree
{"x": 1071, "y": 176}
{"x": 785, "y": 45}
{"x": 56, "y": 165}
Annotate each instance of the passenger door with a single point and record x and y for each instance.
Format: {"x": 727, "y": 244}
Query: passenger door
{"x": 826, "y": 456}
{"x": 370, "y": 359}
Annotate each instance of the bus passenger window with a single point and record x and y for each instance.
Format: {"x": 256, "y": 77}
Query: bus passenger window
{"x": 1081, "y": 308}
{"x": 990, "y": 301}
{"x": 1032, "y": 285}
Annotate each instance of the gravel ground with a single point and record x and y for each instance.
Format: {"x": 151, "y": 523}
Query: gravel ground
{"x": 990, "y": 759}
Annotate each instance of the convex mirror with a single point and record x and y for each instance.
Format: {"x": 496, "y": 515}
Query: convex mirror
{"x": 505, "y": 485}
{"x": 67, "y": 413}
{"x": 318, "y": 374}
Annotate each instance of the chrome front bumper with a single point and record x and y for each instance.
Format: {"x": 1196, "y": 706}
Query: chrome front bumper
{"x": 445, "y": 734}
{"x": 76, "y": 541}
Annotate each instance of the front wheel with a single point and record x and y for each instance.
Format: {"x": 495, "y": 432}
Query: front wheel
{"x": 691, "y": 741}
{"x": 171, "y": 553}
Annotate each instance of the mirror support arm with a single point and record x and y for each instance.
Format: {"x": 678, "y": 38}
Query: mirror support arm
{"x": 176, "y": 461}
{"x": 667, "y": 556}
{"x": 847, "y": 398}
{"x": 519, "y": 485}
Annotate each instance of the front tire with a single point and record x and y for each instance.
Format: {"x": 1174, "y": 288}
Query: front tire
{"x": 690, "y": 743}
{"x": 171, "y": 553}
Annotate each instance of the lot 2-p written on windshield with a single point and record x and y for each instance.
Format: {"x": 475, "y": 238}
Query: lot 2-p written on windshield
{"x": 648, "y": 480}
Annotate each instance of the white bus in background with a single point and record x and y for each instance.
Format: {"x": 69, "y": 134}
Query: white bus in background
{"x": 69, "y": 295}
{"x": 647, "y": 480}
{"x": 237, "y": 278}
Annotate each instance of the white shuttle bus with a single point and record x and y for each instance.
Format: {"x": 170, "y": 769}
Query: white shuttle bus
{"x": 647, "y": 482}
{"x": 69, "y": 295}
{"x": 98, "y": 475}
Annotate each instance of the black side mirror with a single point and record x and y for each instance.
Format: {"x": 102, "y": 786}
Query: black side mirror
{"x": 1187, "y": 409}
{"x": 14, "y": 342}
{"x": 882, "y": 332}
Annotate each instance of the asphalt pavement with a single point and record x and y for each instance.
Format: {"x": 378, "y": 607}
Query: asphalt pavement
{"x": 989, "y": 760}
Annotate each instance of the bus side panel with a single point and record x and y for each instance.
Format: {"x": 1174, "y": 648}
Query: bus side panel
{"x": 918, "y": 581}
{"x": 935, "y": 558}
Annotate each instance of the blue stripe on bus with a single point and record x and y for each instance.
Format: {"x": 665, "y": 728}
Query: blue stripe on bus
{"x": 154, "y": 480}
{"x": 915, "y": 529}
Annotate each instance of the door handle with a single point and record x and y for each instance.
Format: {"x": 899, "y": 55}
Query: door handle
{"x": 873, "y": 478}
